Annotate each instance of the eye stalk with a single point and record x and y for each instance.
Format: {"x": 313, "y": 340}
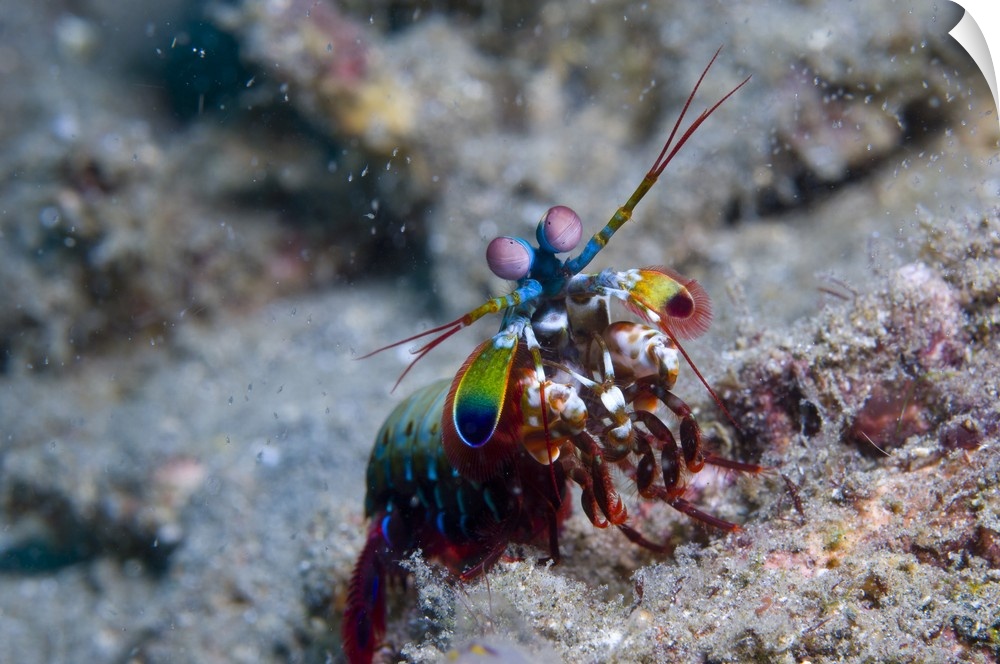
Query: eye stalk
{"x": 559, "y": 230}
{"x": 510, "y": 257}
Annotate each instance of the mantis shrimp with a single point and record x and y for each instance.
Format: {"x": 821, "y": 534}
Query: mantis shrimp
{"x": 560, "y": 394}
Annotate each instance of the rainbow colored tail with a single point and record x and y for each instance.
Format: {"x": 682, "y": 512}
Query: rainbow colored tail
{"x": 364, "y": 617}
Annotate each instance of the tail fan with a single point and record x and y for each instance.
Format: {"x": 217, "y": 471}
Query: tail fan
{"x": 364, "y": 617}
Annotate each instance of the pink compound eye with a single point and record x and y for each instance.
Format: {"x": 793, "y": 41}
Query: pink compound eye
{"x": 559, "y": 230}
{"x": 509, "y": 257}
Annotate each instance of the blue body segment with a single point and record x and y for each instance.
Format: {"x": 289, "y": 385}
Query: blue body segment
{"x": 416, "y": 491}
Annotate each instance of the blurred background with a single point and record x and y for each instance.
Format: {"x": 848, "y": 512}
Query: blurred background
{"x": 208, "y": 210}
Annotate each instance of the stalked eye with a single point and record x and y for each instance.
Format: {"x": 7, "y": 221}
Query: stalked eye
{"x": 559, "y": 230}
{"x": 509, "y": 257}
